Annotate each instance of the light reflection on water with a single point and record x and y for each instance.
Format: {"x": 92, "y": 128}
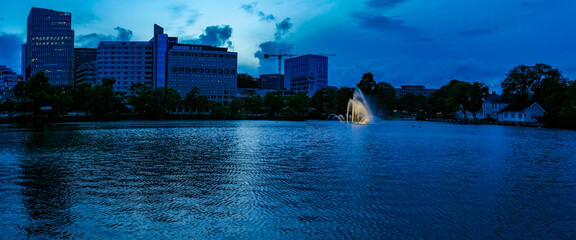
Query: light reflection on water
{"x": 265, "y": 179}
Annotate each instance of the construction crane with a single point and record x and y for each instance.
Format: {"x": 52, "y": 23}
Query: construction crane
{"x": 280, "y": 56}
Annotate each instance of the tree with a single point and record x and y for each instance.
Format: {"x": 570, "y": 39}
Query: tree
{"x": 459, "y": 98}
{"x": 246, "y": 81}
{"x": 36, "y": 93}
{"x": 195, "y": 101}
{"x": 367, "y": 84}
{"x": 161, "y": 101}
{"x": 253, "y": 104}
{"x": 384, "y": 96}
{"x": 274, "y": 101}
{"x": 103, "y": 100}
{"x": 533, "y": 80}
{"x": 139, "y": 97}
{"x": 437, "y": 100}
{"x": 344, "y": 95}
{"x": 478, "y": 92}
{"x": 298, "y": 104}
{"x": 325, "y": 102}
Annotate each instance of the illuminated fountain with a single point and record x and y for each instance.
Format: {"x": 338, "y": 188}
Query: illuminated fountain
{"x": 357, "y": 112}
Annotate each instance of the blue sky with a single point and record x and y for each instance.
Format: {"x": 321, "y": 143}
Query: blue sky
{"x": 399, "y": 41}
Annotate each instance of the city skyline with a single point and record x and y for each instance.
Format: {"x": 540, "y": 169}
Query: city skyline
{"x": 400, "y": 42}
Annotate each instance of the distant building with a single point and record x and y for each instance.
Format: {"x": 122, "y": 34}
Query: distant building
{"x": 307, "y": 73}
{"x": 506, "y": 108}
{"x": 82, "y": 56}
{"x": 210, "y": 69}
{"x": 126, "y": 62}
{"x": 163, "y": 62}
{"x": 8, "y": 80}
{"x": 527, "y": 112}
{"x": 87, "y": 74}
{"x": 413, "y": 89}
{"x": 271, "y": 81}
{"x": 49, "y": 46}
{"x": 244, "y": 92}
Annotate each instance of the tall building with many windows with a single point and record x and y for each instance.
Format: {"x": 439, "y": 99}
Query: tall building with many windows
{"x": 82, "y": 56}
{"x": 210, "y": 69}
{"x": 162, "y": 62}
{"x": 125, "y": 61}
{"x": 307, "y": 73}
{"x": 50, "y": 46}
{"x": 8, "y": 80}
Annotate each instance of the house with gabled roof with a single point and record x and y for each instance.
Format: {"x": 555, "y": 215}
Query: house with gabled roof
{"x": 526, "y": 112}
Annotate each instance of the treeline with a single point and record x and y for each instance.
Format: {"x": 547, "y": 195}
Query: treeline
{"x": 540, "y": 83}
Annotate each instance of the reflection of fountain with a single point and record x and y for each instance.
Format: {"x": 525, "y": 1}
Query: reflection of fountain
{"x": 357, "y": 112}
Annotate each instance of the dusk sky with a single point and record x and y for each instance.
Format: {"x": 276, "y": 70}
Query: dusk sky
{"x": 399, "y": 41}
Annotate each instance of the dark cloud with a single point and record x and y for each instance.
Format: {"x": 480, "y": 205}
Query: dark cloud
{"x": 92, "y": 40}
{"x": 477, "y": 32}
{"x": 270, "y": 65}
{"x": 84, "y": 18}
{"x": 383, "y": 3}
{"x": 10, "y": 49}
{"x": 213, "y": 36}
{"x": 251, "y": 9}
{"x": 382, "y": 23}
{"x": 123, "y": 34}
{"x": 266, "y": 17}
{"x": 217, "y": 36}
{"x": 282, "y": 28}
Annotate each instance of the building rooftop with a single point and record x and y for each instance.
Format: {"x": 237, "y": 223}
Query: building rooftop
{"x": 517, "y": 107}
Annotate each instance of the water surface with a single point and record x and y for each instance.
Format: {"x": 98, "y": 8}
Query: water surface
{"x": 286, "y": 180}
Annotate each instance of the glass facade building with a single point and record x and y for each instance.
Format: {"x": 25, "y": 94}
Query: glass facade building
{"x": 307, "y": 73}
{"x": 50, "y": 46}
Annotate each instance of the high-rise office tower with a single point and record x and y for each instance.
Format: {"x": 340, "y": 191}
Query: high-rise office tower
{"x": 307, "y": 73}
{"x": 50, "y": 46}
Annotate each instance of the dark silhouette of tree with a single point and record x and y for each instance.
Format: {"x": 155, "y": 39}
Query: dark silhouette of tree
{"x": 367, "y": 84}
{"x": 324, "y": 102}
{"x": 384, "y": 97}
{"x": 246, "y": 81}
{"x": 195, "y": 101}
{"x": 139, "y": 97}
{"x": 253, "y": 104}
{"x": 298, "y": 104}
{"x": 274, "y": 101}
{"x": 36, "y": 93}
{"x": 161, "y": 101}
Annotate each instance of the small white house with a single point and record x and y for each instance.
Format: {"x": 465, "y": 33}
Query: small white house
{"x": 491, "y": 105}
{"x": 521, "y": 112}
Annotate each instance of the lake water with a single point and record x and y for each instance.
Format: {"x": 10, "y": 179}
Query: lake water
{"x": 286, "y": 180}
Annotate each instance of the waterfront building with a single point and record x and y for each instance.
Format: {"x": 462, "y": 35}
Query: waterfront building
{"x": 210, "y": 69}
{"x": 49, "y": 46}
{"x": 128, "y": 62}
{"x": 526, "y": 112}
{"x": 271, "y": 81}
{"x": 86, "y": 74}
{"x": 307, "y": 73}
{"x": 245, "y": 92}
{"x": 82, "y": 56}
{"x": 163, "y": 62}
{"x": 8, "y": 80}
{"x": 414, "y": 89}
